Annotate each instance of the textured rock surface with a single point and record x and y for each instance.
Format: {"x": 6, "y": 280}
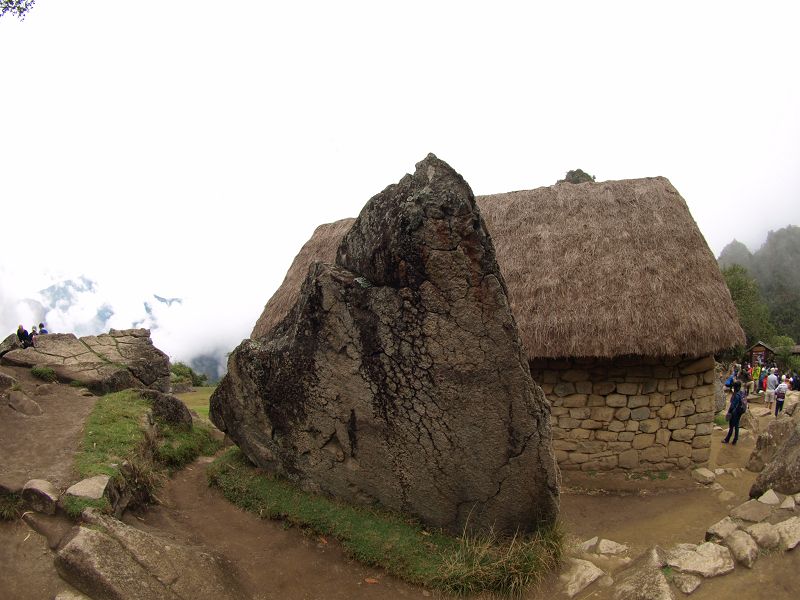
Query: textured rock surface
{"x": 708, "y": 559}
{"x": 765, "y": 535}
{"x": 19, "y": 401}
{"x": 398, "y": 376}
{"x": 114, "y": 560}
{"x": 782, "y": 474}
{"x": 6, "y": 382}
{"x": 768, "y": 442}
{"x": 789, "y": 532}
{"x": 93, "y": 488}
{"x": 579, "y": 575}
{"x": 686, "y": 583}
{"x": 41, "y": 496}
{"x": 752, "y": 510}
{"x": 644, "y": 579}
{"x": 10, "y": 343}
{"x": 703, "y": 475}
{"x": 721, "y": 529}
{"x": 104, "y": 363}
{"x": 743, "y": 548}
{"x": 169, "y": 408}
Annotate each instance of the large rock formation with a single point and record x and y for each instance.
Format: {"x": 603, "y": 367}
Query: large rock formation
{"x": 398, "y": 376}
{"x": 782, "y": 473}
{"x": 104, "y": 363}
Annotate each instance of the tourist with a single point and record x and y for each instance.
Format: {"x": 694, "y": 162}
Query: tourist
{"x": 42, "y": 330}
{"x": 762, "y": 380}
{"x": 737, "y": 408}
{"x": 744, "y": 377}
{"x": 24, "y": 337}
{"x": 780, "y": 395}
{"x": 772, "y": 383}
{"x": 34, "y": 335}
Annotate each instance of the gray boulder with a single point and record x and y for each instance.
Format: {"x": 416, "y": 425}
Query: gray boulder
{"x": 41, "y": 496}
{"x": 109, "y": 559}
{"x": 6, "y": 382}
{"x": 398, "y": 376}
{"x": 782, "y": 473}
{"x": 20, "y": 402}
{"x": 169, "y": 408}
{"x": 104, "y": 363}
{"x": 644, "y": 579}
{"x": 768, "y": 442}
{"x": 10, "y": 343}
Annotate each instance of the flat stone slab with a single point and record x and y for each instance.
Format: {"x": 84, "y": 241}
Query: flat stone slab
{"x": 41, "y": 496}
{"x": 580, "y": 574}
{"x": 721, "y": 529}
{"x": 765, "y": 535}
{"x": 20, "y": 402}
{"x": 644, "y": 579}
{"x": 770, "y": 498}
{"x": 788, "y": 503}
{"x": 589, "y": 545}
{"x": 93, "y": 488}
{"x": 752, "y": 510}
{"x": 708, "y": 559}
{"x": 789, "y": 530}
{"x": 743, "y": 548}
{"x": 686, "y": 583}
{"x": 703, "y": 475}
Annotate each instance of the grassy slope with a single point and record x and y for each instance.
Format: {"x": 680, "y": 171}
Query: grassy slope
{"x": 197, "y": 399}
{"x": 404, "y": 548}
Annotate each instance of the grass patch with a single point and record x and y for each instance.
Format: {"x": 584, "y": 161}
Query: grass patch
{"x": 10, "y": 506}
{"x": 77, "y": 384}
{"x": 113, "y": 433}
{"x": 197, "y": 400}
{"x": 719, "y": 419}
{"x": 178, "y": 447}
{"x": 74, "y": 506}
{"x": 44, "y": 373}
{"x": 461, "y": 565}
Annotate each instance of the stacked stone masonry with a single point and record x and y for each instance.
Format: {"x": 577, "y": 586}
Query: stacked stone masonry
{"x": 629, "y": 413}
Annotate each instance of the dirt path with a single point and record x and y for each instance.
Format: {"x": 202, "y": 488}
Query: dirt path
{"x": 41, "y": 447}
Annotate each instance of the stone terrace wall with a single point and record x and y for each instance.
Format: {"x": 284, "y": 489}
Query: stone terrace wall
{"x": 631, "y": 413}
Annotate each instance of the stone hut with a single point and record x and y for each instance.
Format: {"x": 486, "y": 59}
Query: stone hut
{"x": 620, "y": 305}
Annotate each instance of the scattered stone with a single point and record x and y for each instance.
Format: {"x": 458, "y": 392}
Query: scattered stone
{"x": 41, "y": 496}
{"x": 782, "y": 474}
{"x": 743, "y": 547}
{"x": 19, "y": 401}
{"x": 93, "y": 488}
{"x": 752, "y": 510}
{"x": 716, "y": 487}
{"x": 788, "y": 503}
{"x": 580, "y": 574}
{"x": 686, "y": 583}
{"x": 726, "y": 495}
{"x": 644, "y": 579}
{"x": 589, "y": 545}
{"x": 789, "y": 531}
{"x": 703, "y": 475}
{"x": 169, "y": 408}
{"x": 115, "y": 560}
{"x": 70, "y": 595}
{"x": 765, "y": 535}
{"x": 708, "y": 559}
{"x": 797, "y": 498}
{"x": 398, "y": 376}
{"x": 719, "y": 472}
{"x": 609, "y": 547}
{"x": 721, "y": 529}
{"x": 769, "y": 497}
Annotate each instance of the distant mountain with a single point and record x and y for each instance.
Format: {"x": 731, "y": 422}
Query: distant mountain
{"x": 774, "y": 266}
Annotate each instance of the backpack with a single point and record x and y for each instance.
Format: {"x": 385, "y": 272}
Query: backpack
{"x": 780, "y": 394}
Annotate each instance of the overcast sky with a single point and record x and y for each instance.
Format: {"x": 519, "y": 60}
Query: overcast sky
{"x": 189, "y": 148}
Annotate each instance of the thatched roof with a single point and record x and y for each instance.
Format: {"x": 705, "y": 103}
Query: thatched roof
{"x": 593, "y": 270}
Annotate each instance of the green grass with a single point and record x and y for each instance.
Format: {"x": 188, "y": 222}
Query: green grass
{"x": 720, "y": 420}
{"x": 44, "y": 373}
{"x": 74, "y": 506}
{"x": 10, "y": 506}
{"x": 197, "y": 399}
{"x": 178, "y": 447}
{"x": 460, "y": 565}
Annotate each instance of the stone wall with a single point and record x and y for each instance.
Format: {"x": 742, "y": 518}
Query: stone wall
{"x": 631, "y": 413}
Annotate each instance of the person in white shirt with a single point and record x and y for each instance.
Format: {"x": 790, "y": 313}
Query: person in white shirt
{"x": 772, "y": 383}
{"x": 780, "y": 395}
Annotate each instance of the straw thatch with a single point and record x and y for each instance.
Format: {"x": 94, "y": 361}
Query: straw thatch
{"x": 320, "y": 248}
{"x": 593, "y": 270}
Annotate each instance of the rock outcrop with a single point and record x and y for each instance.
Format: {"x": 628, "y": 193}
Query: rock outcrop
{"x": 769, "y": 441}
{"x": 782, "y": 473}
{"x": 398, "y": 377}
{"x": 169, "y": 408}
{"x": 104, "y": 363}
{"x": 10, "y": 343}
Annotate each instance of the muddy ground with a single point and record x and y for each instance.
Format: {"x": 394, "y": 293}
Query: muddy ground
{"x": 274, "y": 562}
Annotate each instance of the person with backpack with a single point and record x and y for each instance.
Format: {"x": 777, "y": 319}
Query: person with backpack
{"x": 737, "y": 408}
{"x": 780, "y": 395}
{"x": 772, "y": 383}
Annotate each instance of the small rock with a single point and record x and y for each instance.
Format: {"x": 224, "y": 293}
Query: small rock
{"x": 752, "y": 510}
{"x": 708, "y": 559}
{"x": 41, "y": 496}
{"x": 579, "y": 576}
{"x": 609, "y": 547}
{"x": 765, "y": 535}
{"x": 93, "y": 487}
{"x": 716, "y": 487}
{"x": 719, "y": 472}
{"x": 588, "y": 545}
{"x": 721, "y": 529}
{"x": 789, "y": 530}
{"x": 22, "y": 404}
{"x": 726, "y": 495}
{"x": 703, "y": 475}
{"x": 644, "y": 579}
{"x": 70, "y": 595}
{"x": 797, "y": 498}
{"x": 788, "y": 503}
{"x": 605, "y": 581}
{"x": 770, "y": 497}
{"x": 743, "y": 548}
{"x": 685, "y": 582}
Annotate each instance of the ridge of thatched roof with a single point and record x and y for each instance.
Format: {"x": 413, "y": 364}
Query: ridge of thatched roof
{"x": 593, "y": 270}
